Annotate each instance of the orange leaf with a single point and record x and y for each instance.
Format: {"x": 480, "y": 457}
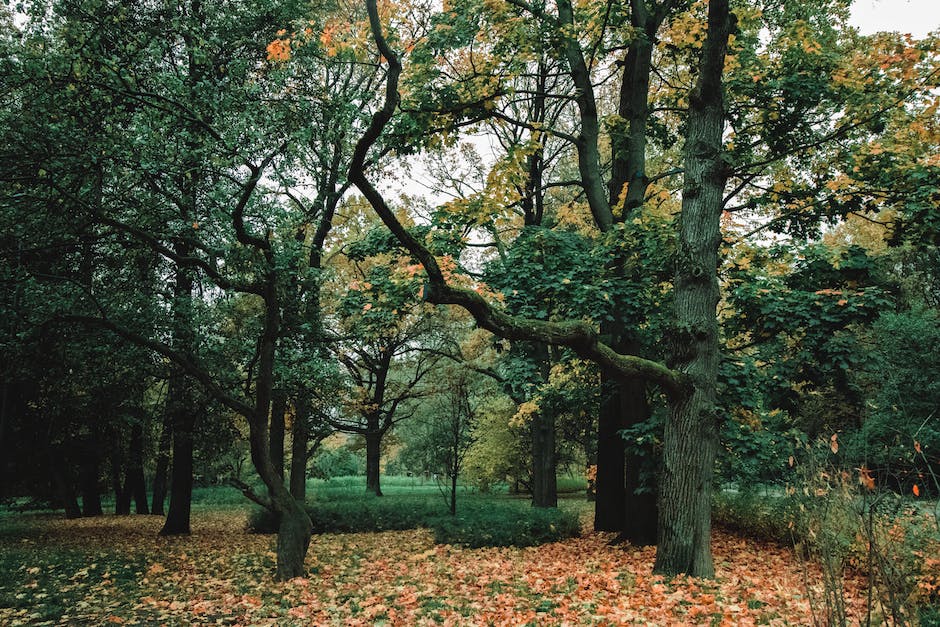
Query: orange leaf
{"x": 917, "y": 446}
{"x": 834, "y": 443}
{"x": 279, "y": 50}
{"x": 915, "y": 490}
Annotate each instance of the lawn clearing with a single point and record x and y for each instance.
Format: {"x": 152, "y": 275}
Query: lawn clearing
{"x": 117, "y": 570}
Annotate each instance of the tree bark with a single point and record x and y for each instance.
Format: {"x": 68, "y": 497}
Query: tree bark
{"x": 373, "y": 458}
{"x": 64, "y": 488}
{"x": 122, "y": 498}
{"x": 293, "y": 540}
{"x": 609, "y": 486}
{"x": 182, "y": 414}
{"x": 277, "y": 429}
{"x": 5, "y": 410}
{"x": 300, "y": 437}
{"x": 163, "y": 462}
{"x": 180, "y": 403}
{"x": 91, "y": 496}
{"x": 181, "y": 475}
{"x": 690, "y": 440}
{"x": 544, "y": 479}
{"x": 640, "y": 508}
{"x": 134, "y": 483}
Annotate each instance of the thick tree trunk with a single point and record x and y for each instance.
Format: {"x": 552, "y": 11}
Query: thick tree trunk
{"x": 276, "y": 429}
{"x": 181, "y": 476}
{"x": 161, "y": 473}
{"x": 373, "y": 457}
{"x": 65, "y": 491}
{"x": 122, "y": 498}
{"x": 609, "y": 504}
{"x": 293, "y": 540}
{"x": 5, "y": 439}
{"x": 181, "y": 405}
{"x": 300, "y": 438}
{"x": 134, "y": 482}
{"x": 544, "y": 480}
{"x": 690, "y": 440}
{"x": 640, "y": 509}
{"x": 91, "y": 496}
{"x": 618, "y": 508}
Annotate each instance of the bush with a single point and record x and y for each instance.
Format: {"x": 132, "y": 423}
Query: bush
{"x": 755, "y": 515}
{"x": 480, "y": 522}
{"x": 505, "y": 526}
{"x": 363, "y": 513}
{"x": 328, "y": 463}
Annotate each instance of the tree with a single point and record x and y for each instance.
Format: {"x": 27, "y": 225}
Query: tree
{"x": 441, "y": 433}
{"x": 384, "y": 336}
{"x": 202, "y": 214}
{"x": 684, "y": 545}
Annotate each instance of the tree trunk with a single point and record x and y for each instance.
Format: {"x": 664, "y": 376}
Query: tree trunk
{"x": 65, "y": 491}
{"x": 640, "y": 509}
{"x": 293, "y": 540}
{"x": 544, "y": 480}
{"x": 163, "y": 463}
{"x": 373, "y": 453}
{"x": 276, "y": 430}
{"x": 300, "y": 437}
{"x": 609, "y": 504}
{"x": 91, "y": 496}
{"x": 181, "y": 477}
{"x": 181, "y": 405}
{"x": 4, "y": 437}
{"x": 122, "y": 497}
{"x": 134, "y": 482}
{"x": 690, "y": 441}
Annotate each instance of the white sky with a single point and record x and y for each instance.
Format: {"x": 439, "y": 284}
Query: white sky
{"x": 917, "y": 17}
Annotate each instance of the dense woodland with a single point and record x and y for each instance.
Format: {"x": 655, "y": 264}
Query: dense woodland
{"x": 681, "y": 248}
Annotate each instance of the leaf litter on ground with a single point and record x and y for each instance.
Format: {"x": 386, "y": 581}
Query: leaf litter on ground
{"x": 117, "y": 570}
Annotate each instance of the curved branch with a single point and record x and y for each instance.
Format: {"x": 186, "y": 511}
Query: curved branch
{"x": 577, "y": 335}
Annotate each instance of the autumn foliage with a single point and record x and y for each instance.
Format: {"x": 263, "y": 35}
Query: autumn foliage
{"x": 116, "y": 570}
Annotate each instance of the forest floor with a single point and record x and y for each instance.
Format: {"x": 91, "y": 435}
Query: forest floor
{"x": 116, "y": 570}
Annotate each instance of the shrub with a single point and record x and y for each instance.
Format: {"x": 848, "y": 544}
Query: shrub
{"x": 480, "y": 522}
{"x": 505, "y": 526}
{"x": 755, "y": 515}
{"x": 363, "y": 513}
{"x": 845, "y": 523}
{"x": 328, "y": 463}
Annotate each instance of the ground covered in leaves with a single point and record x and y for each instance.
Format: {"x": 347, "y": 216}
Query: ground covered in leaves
{"x": 117, "y": 570}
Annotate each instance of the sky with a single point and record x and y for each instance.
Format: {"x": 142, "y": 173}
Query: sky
{"x": 917, "y": 17}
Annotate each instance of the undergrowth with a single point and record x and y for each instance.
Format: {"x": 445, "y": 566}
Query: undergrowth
{"x": 480, "y": 521}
